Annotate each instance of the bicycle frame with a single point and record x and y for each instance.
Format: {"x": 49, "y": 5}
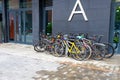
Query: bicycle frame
{"x": 71, "y": 45}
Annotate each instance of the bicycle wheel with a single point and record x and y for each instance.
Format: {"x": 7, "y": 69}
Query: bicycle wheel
{"x": 109, "y": 50}
{"x": 81, "y": 55}
{"x": 39, "y": 47}
{"x": 88, "y": 52}
{"x": 59, "y": 49}
{"x": 98, "y": 52}
{"x": 85, "y": 49}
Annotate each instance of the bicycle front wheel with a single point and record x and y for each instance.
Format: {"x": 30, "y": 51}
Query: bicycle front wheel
{"x": 59, "y": 49}
{"x": 39, "y": 47}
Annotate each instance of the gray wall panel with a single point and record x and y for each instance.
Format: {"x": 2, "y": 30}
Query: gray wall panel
{"x": 97, "y": 11}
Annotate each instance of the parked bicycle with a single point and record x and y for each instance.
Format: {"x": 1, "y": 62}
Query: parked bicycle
{"x": 109, "y": 49}
{"x": 77, "y": 46}
{"x": 71, "y": 47}
{"x": 45, "y": 44}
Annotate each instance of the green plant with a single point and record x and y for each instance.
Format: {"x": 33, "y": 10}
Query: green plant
{"x": 49, "y": 28}
{"x": 116, "y": 37}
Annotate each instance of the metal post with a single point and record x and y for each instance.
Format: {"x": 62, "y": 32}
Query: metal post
{"x": 4, "y": 17}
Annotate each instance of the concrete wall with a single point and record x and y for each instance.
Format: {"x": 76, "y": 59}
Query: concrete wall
{"x": 37, "y": 19}
{"x": 97, "y": 11}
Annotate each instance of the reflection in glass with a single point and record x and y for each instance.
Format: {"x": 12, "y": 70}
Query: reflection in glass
{"x": 13, "y": 4}
{"x": 28, "y": 26}
{"x": 1, "y": 6}
{"x": 117, "y": 0}
{"x": 48, "y": 22}
{"x": 48, "y": 3}
{"x": 17, "y": 26}
{"x": 22, "y": 26}
{"x": 25, "y": 3}
{"x": 117, "y": 19}
{"x": 116, "y": 37}
{"x": 16, "y": 4}
{"x": 11, "y": 26}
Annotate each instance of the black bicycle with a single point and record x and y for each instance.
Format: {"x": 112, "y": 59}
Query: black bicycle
{"x": 109, "y": 49}
{"x": 45, "y": 44}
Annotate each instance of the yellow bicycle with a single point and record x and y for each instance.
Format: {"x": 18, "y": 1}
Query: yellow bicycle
{"x": 71, "y": 47}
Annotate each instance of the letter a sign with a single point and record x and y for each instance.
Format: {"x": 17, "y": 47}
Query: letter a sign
{"x": 78, "y": 3}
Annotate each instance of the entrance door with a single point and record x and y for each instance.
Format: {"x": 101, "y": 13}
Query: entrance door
{"x": 116, "y": 28}
{"x": 20, "y": 26}
{"x": 47, "y": 21}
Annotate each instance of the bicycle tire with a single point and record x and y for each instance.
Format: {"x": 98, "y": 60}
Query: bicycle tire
{"x": 80, "y": 56}
{"x": 98, "y": 53}
{"x": 39, "y": 47}
{"x": 116, "y": 45}
{"x": 84, "y": 48}
{"x": 109, "y": 50}
{"x": 35, "y": 48}
{"x": 59, "y": 49}
{"x": 89, "y": 52}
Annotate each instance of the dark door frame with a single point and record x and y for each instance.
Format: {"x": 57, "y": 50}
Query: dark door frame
{"x": 44, "y": 17}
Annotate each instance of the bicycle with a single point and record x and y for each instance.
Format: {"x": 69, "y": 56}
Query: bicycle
{"x": 96, "y": 48}
{"x": 109, "y": 49}
{"x": 78, "y": 52}
{"x": 45, "y": 44}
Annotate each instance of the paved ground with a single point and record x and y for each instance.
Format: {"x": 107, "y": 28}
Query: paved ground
{"x": 21, "y": 62}
{"x": 76, "y": 72}
{"x": 13, "y": 67}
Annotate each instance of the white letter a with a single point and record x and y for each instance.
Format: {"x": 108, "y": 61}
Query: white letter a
{"x": 78, "y": 12}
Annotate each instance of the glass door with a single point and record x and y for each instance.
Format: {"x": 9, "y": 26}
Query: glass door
{"x": 20, "y": 26}
{"x": 116, "y": 37}
{"x": 13, "y": 26}
{"x": 28, "y": 26}
{"x": 47, "y": 22}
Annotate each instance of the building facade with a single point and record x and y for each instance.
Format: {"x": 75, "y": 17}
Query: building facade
{"x": 23, "y": 20}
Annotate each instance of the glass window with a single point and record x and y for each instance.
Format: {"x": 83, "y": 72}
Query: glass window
{"x": 48, "y": 3}
{"x": 16, "y": 4}
{"x": 25, "y": 3}
{"x": 0, "y": 6}
{"x": 117, "y": 18}
{"x": 117, "y": 0}
{"x": 48, "y": 22}
{"x": 28, "y": 26}
{"x": 13, "y": 4}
